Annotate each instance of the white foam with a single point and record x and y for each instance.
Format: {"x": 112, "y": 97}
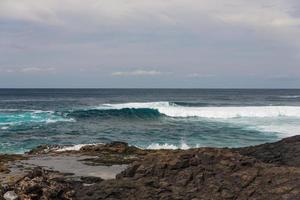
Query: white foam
{"x": 162, "y": 146}
{"x": 159, "y": 104}
{"x": 8, "y": 123}
{"x": 49, "y": 121}
{"x": 42, "y": 111}
{"x": 282, "y": 127}
{"x": 76, "y": 147}
{"x": 174, "y": 110}
{"x": 155, "y": 146}
{"x": 4, "y": 128}
{"x": 18, "y": 117}
{"x": 282, "y": 131}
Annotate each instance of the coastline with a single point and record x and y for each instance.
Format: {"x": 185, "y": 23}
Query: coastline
{"x": 270, "y": 170}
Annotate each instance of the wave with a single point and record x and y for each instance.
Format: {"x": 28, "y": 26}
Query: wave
{"x": 193, "y": 104}
{"x": 146, "y": 111}
{"x": 4, "y": 128}
{"x": 128, "y": 113}
{"x": 11, "y": 117}
{"x": 174, "y": 110}
{"x": 153, "y": 146}
{"x": 286, "y": 130}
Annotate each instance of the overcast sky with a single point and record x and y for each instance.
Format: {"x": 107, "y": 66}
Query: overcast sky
{"x": 150, "y": 43}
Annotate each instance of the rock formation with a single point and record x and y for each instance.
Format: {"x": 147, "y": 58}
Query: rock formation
{"x": 267, "y": 171}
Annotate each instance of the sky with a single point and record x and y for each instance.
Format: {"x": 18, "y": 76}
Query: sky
{"x": 150, "y": 44}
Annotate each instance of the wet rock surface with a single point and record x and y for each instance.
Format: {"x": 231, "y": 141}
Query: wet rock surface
{"x": 259, "y": 172}
{"x": 115, "y": 153}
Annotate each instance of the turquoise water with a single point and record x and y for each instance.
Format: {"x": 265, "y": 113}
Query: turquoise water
{"x": 152, "y": 118}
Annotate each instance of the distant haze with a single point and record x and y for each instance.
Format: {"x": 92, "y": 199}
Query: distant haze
{"x": 150, "y": 44}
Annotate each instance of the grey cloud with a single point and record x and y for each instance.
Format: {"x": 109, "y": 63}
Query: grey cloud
{"x": 98, "y": 42}
{"x": 137, "y": 73}
{"x": 37, "y": 69}
{"x": 28, "y": 70}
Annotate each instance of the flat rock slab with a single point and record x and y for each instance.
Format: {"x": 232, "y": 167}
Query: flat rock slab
{"x": 74, "y": 165}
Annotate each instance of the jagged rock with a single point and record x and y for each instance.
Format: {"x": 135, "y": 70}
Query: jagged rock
{"x": 41, "y": 184}
{"x": 283, "y": 152}
{"x": 268, "y": 171}
{"x": 10, "y": 195}
{"x": 114, "y": 147}
{"x": 115, "y": 153}
{"x": 205, "y": 173}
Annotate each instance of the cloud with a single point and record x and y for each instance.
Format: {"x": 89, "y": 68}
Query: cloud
{"x": 198, "y": 75}
{"x": 62, "y": 12}
{"x": 274, "y": 20}
{"x": 208, "y": 37}
{"x": 37, "y": 69}
{"x": 261, "y": 15}
{"x": 137, "y": 73}
{"x": 27, "y": 70}
{"x": 6, "y": 70}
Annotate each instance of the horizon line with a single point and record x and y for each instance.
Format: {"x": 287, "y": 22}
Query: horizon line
{"x": 151, "y": 88}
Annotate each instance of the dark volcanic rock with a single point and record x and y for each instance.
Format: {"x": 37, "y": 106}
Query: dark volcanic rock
{"x": 114, "y": 147}
{"x": 283, "y": 152}
{"x": 204, "y": 173}
{"x": 268, "y": 171}
{"x": 115, "y": 153}
{"x": 41, "y": 184}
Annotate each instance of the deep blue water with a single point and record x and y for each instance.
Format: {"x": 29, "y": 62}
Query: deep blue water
{"x": 148, "y": 118}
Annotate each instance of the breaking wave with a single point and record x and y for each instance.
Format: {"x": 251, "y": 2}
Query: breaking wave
{"x": 127, "y": 113}
{"x": 175, "y": 110}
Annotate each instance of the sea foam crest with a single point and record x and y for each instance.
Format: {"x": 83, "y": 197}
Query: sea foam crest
{"x": 173, "y": 110}
{"x": 156, "y": 146}
{"x": 75, "y": 147}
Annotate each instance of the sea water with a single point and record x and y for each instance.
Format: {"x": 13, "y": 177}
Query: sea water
{"x": 146, "y": 118}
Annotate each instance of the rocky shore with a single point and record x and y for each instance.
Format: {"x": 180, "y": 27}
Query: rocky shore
{"x": 118, "y": 171}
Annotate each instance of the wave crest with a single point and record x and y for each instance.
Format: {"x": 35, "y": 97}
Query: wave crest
{"x": 127, "y": 113}
{"x": 174, "y": 110}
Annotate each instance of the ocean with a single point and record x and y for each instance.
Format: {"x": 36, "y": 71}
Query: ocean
{"x": 146, "y": 118}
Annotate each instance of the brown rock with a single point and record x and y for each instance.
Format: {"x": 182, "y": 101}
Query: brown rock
{"x": 39, "y": 184}
{"x": 205, "y": 173}
{"x": 268, "y": 171}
